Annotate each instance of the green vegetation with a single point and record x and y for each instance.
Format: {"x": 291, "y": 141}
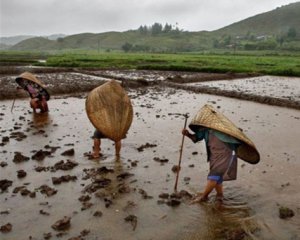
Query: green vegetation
{"x": 218, "y": 62}
{"x": 10, "y": 58}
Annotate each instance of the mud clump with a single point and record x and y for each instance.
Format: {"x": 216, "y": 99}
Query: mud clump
{"x": 69, "y": 152}
{"x": 86, "y": 205}
{"x": 97, "y": 184}
{"x": 5, "y": 184}
{"x": 52, "y": 149}
{"x": 98, "y": 214}
{"x": 124, "y": 175}
{"x": 147, "y": 145}
{"x": 84, "y": 198}
{"x": 66, "y": 178}
{"x": 18, "y": 136}
{"x": 44, "y": 213}
{"x": 173, "y": 202}
{"x": 62, "y": 224}
{"x": 61, "y": 165}
{"x": 47, "y": 235}
{"x": 161, "y": 160}
{"x": 285, "y": 213}
{"x": 5, "y": 140}
{"x": 175, "y": 169}
{"x": 6, "y": 228}
{"x": 164, "y": 195}
{"x": 20, "y": 158}
{"x": 174, "y": 199}
{"x": 40, "y": 155}
{"x": 47, "y": 190}
{"x": 21, "y": 174}
{"x": 3, "y": 164}
{"x": 144, "y": 194}
{"x": 133, "y": 220}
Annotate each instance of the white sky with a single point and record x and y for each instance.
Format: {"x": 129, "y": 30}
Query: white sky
{"x": 46, "y": 17}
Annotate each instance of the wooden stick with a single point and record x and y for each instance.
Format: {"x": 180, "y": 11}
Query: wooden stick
{"x": 180, "y": 155}
{"x": 13, "y": 104}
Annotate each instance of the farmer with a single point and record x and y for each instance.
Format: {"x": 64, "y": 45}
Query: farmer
{"x": 221, "y": 155}
{"x": 38, "y": 94}
{"x": 109, "y": 109}
{"x": 97, "y": 145}
{"x": 38, "y": 99}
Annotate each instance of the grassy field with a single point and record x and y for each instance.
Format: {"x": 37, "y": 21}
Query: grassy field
{"x": 284, "y": 64}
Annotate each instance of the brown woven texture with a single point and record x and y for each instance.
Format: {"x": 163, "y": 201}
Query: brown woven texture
{"x": 31, "y": 78}
{"x": 109, "y": 109}
{"x": 210, "y": 118}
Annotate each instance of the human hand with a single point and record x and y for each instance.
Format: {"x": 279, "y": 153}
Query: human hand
{"x": 185, "y": 132}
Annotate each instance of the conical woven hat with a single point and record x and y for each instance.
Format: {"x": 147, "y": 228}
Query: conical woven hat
{"x": 210, "y": 118}
{"x": 31, "y": 78}
{"x": 109, "y": 109}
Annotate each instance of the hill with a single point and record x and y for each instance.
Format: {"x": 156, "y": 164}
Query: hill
{"x": 275, "y": 23}
{"x": 14, "y": 40}
{"x": 6, "y": 42}
{"x": 277, "y": 29}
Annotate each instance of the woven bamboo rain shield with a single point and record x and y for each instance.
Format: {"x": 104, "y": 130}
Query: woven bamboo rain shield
{"x": 109, "y": 109}
{"x": 210, "y": 118}
{"x": 27, "y": 76}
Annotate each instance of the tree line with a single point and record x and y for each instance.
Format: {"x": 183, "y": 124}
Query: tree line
{"x": 158, "y": 28}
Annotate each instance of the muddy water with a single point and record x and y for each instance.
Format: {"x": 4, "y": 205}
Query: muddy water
{"x": 278, "y": 87}
{"x": 251, "y": 204}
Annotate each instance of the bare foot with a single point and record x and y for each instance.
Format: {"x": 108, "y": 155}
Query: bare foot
{"x": 199, "y": 198}
{"x": 93, "y": 156}
{"x": 219, "y": 199}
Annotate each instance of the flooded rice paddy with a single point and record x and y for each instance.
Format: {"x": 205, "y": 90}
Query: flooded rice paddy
{"x": 46, "y": 176}
{"x": 278, "y": 87}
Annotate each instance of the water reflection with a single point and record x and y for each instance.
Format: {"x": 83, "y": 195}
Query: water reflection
{"x": 41, "y": 119}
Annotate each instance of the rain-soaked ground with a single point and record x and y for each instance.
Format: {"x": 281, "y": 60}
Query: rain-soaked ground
{"x": 278, "y": 87}
{"x": 45, "y": 176}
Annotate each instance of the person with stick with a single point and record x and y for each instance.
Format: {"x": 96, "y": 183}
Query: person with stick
{"x": 38, "y": 99}
{"x": 225, "y": 142}
{"x": 38, "y": 94}
{"x": 221, "y": 153}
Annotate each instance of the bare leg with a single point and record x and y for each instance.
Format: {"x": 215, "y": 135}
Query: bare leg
{"x": 44, "y": 105}
{"x": 33, "y": 104}
{"x": 118, "y": 147}
{"x": 96, "y": 148}
{"x": 219, "y": 190}
{"x": 208, "y": 189}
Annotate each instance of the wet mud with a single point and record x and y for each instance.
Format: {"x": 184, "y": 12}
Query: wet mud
{"x": 73, "y": 82}
{"x": 51, "y": 190}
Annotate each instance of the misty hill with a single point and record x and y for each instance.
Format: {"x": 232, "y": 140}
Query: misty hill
{"x": 281, "y": 26}
{"x": 10, "y": 41}
{"x": 14, "y": 40}
{"x": 276, "y": 22}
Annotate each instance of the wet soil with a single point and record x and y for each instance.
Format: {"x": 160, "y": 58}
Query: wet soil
{"x": 73, "y": 82}
{"x": 50, "y": 189}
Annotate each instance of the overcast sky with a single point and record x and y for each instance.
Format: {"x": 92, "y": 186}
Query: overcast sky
{"x": 46, "y": 17}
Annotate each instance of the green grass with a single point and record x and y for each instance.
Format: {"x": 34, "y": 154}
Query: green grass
{"x": 238, "y": 62}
